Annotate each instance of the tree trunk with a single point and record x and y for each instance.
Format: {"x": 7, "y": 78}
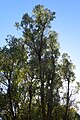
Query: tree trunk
{"x": 13, "y": 117}
{"x": 41, "y": 78}
{"x": 42, "y": 95}
{"x": 50, "y": 91}
{"x": 30, "y": 102}
{"x": 10, "y": 100}
{"x": 67, "y": 102}
{"x": 49, "y": 108}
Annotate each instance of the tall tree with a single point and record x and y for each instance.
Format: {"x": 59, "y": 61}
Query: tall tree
{"x": 52, "y": 72}
{"x": 12, "y": 57}
{"x": 34, "y": 32}
{"x": 69, "y": 76}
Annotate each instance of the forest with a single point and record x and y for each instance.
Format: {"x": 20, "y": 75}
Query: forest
{"x": 37, "y": 81}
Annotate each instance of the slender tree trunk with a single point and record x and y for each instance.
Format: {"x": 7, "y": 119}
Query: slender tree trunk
{"x": 42, "y": 87}
{"x": 42, "y": 94}
{"x": 50, "y": 92}
{"x": 49, "y": 106}
{"x": 67, "y": 102}
{"x": 30, "y": 102}
{"x": 10, "y": 100}
{"x": 41, "y": 78}
{"x": 50, "y": 101}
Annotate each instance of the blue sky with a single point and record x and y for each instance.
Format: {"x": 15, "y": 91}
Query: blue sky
{"x": 67, "y": 23}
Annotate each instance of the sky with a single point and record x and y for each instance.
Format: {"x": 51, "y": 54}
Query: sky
{"x": 67, "y": 23}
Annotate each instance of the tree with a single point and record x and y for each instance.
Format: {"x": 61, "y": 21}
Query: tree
{"x": 52, "y": 73}
{"x": 40, "y": 44}
{"x": 11, "y": 62}
{"x": 69, "y": 76}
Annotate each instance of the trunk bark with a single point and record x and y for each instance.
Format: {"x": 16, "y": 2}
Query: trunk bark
{"x": 10, "y": 100}
{"x": 49, "y": 111}
{"x": 30, "y": 102}
{"x": 67, "y": 102}
{"x": 50, "y": 91}
{"x": 42, "y": 94}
